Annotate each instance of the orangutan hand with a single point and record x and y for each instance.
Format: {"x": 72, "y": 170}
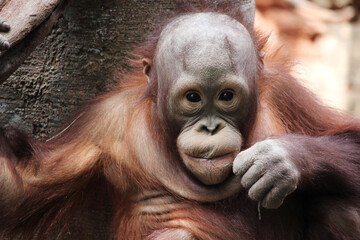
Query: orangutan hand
{"x": 268, "y": 172}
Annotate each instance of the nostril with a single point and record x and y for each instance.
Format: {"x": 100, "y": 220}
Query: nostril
{"x": 210, "y": 129}
{"x": 216, "y": 129}
{"x": 204, "y": 128}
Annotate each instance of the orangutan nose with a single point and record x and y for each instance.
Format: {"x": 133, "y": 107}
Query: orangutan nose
{"x": 210, "y": 126}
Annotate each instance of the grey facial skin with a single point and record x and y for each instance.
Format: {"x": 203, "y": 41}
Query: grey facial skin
{"x": 4, "y": 27}
{"x": 206, "y": 46}
{"x": 204, "y": 52}
{"x": 207, "y": 54}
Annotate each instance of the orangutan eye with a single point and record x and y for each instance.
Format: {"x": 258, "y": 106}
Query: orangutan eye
{"x": 193, "y": 97}
{"x": 226, "y": 96}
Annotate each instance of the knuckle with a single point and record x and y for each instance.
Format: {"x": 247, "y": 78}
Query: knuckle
{"x": 239, "y": 167}
{"x": 247, "y": 153}
{"x": 249, "y": 180}
{"x": 245, "y": 183}
{"x": 294, "y": 179}
{"x": 287, "y": 169}
{"x": 285, "y": 172}
{"x": 288, "y": 184}
{"x": 265, "y": 146}
{"x": 293, "y": 186}
{"x": 287, "y": 188}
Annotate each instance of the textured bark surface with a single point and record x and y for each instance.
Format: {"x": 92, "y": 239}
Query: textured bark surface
{"x": 76, "y": 61}
{"x": 73, "y": 64}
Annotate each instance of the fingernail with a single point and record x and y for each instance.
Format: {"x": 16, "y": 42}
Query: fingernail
{"x": 6, "y": 26}
{"x": 6, "y": 45}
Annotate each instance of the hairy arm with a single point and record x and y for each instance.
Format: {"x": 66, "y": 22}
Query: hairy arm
{"x": 324, "y": 171}
{"x": 274, "y": 168}
{"x": 52, "y": 179}
{"x": 312, "y": 151}
{"x": 45, "y": 186}
{"x": 327, "y": 165}
{"x": 330, "y": 183}
{"x": 9, "y": 181}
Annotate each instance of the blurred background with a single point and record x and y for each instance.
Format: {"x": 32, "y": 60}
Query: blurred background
{"x": 324, "y": 38}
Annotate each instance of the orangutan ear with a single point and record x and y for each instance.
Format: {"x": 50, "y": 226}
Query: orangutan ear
{"x": 146, "y": 67}
{"x": 247, "y": 9}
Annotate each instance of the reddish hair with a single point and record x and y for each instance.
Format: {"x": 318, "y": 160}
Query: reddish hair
{"x": 292, "y": 107}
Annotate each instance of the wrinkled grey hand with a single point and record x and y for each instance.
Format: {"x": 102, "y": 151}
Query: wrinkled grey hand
{"x": 4, "y": 27}
{"x": 266, "y": 170}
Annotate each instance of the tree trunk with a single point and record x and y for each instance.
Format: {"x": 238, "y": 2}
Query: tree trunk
{"x": 74, "y": 63}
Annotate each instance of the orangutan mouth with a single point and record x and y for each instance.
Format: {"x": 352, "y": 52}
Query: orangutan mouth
{"x": 215, "y": 158}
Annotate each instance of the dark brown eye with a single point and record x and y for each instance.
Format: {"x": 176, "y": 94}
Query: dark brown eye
{"x": 226, "y": 96}
{"x": 193, "y": 97}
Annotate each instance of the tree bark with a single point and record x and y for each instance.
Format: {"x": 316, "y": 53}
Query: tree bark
{"x": 74, "y": 63}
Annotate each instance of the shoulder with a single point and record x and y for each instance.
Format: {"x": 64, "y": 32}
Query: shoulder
{"x": 112, "y": 112}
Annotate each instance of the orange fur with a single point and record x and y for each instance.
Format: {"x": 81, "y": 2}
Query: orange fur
{"x": 117, "y": 138}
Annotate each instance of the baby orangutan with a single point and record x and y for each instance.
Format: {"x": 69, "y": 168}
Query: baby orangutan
{"x": 199, "y": 139}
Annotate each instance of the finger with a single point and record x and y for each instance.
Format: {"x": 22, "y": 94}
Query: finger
{"x": 260, "y": 189}
{"x": 244, "y": 161}
{"x": 253, "y": 174}
{"x": 4, "y": 44}
{"x": 276, "y": 196}
{"x": 4, "y": 26}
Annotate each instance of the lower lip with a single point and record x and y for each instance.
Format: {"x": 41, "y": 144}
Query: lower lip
{"x": 222, "y": 157}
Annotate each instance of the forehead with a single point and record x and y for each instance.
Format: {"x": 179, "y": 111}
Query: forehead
{"x": 205, "y": 42}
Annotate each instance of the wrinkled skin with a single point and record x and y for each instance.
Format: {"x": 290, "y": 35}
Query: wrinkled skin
{"x": 209, "y": 90}
{"x": 4, "y": 27}
{"x": 267, "y": 171}
{"x": 210, "y": 98}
